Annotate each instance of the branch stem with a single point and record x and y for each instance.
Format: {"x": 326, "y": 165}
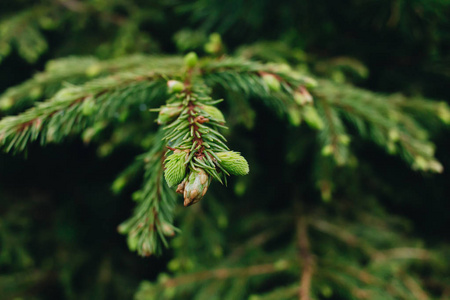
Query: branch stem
{"x": 305, "y": 257}
{"x": 222, "y": 274}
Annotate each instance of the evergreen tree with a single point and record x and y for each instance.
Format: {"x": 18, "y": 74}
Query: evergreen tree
{"x": 303, "y": 150}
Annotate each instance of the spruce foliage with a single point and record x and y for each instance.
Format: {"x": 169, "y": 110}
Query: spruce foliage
{"x": 307, "y": 219}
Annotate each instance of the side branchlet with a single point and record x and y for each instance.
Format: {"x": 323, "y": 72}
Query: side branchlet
{"x": 197, "y": 150}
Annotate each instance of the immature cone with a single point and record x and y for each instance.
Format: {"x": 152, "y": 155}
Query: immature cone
{"x": 233, "y": 162}
{"x": 195, "y": 187}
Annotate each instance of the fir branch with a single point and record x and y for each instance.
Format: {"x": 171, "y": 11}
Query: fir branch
{"x": 254, "y": 242}
{"x": 23, "y": 31}
{"x": 343, "y": 235}
{"x": 415, "y": 288}
{"x": 235, "y": 67}
{"x": 149, "y": 291}
{"x": 78, "y": 70}
{"x": 426, "y": 111}
{"x": 380, "y": 120}
{"x": 286, "y": 292}
{"x": 222, "y": 274}
{"x": 152, "y": 220}
{"x": 73, "y": 108}
{"x": 324, "y": 169}
{"x": 250, "y": 79}
{"x": 362, "y": 284}
{"x": 193, "y": 129}
{"x": 401, "y": 253}
{"x": 333, "y": 136}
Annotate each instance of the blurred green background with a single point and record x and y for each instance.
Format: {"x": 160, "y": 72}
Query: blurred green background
{"x": 58, "y": 216}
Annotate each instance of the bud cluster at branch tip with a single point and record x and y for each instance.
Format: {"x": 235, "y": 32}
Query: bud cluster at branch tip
{"x": 197, "y": 150}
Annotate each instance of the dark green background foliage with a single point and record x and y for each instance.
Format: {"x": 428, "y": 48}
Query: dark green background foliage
{"x": 383, "y": 232}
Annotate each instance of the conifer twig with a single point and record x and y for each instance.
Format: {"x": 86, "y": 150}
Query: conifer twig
{"x": 343, "y": 235}
{"x": 415, "y": 288}
{"x": 254, "y": 242}
{"x": 305, "y": 257}
{"x": 401, "y": 253}
{"x": 224, "y": 273}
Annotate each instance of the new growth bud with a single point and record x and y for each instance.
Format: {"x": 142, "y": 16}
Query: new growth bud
{"x": 168, "y": 113}
{"x": 88, "y": 107}
{"x": 175, "y": 86}
{"x": 6, "y": 103}
{"x": 233, "y": 162}
{"x": 175, "y": 168}
{"x": 94, "y": 70}
{"x": 310, "y": 82}
{"x": 294, "y": 115}
{"x": 191, "y": 60}
{"x": 272, "y": 82}
{"x": 214, "y": 46}
{"x": 302, "y": 96}
{"x": 196, "y": 186}
{"x": 312, "y": 118}
{"x": 444, "y": 112}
